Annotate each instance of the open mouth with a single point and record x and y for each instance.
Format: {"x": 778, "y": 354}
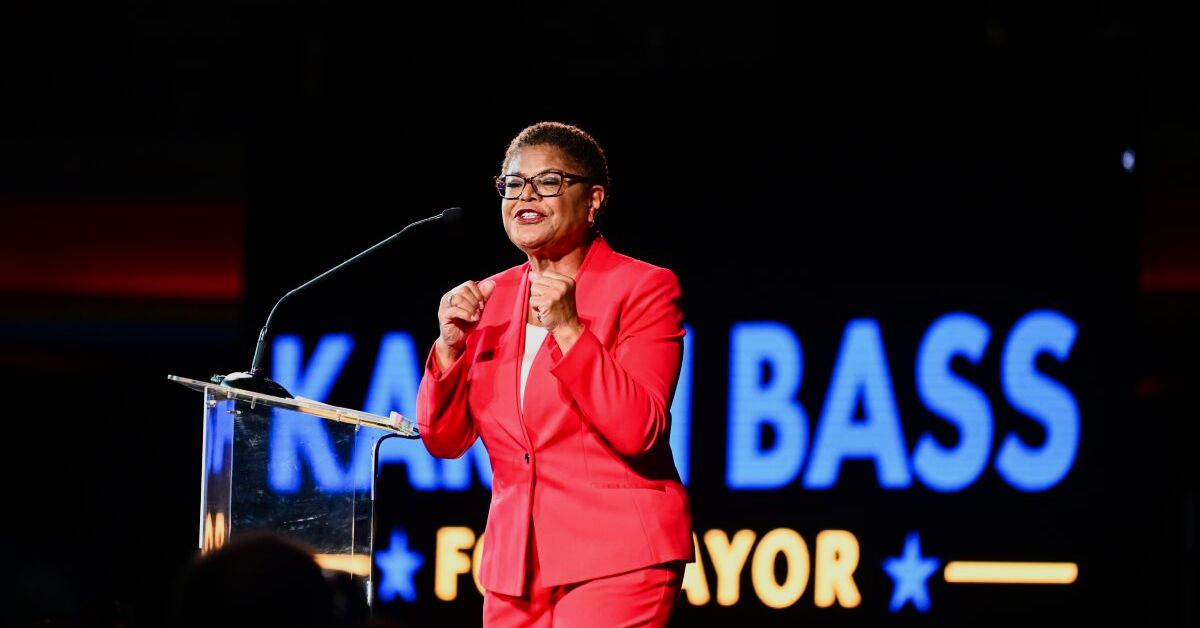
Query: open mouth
{"x": 528, "y": 216}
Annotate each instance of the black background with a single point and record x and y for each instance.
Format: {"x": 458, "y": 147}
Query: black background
{"x": 802, "y": 164}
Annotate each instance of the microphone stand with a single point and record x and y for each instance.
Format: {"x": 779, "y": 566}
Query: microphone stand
{"x": 254, "y": 380}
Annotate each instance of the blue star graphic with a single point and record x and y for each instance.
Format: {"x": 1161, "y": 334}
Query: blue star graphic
{"x": 910, "y": 572}
{"x": 397, "y": 566}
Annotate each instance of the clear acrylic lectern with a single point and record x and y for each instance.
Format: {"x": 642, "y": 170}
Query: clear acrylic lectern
{"x": 245, "y": 486}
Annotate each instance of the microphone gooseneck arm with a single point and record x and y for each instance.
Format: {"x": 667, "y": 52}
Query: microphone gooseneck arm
{"x": 451, "y": 214}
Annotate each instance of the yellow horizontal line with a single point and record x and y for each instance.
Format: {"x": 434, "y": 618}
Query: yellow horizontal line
{"x": 357, "y": 564}
{"x": 1010, "y": 572}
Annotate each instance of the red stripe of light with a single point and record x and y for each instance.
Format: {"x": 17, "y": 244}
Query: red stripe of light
{"x": 156, "y": 250}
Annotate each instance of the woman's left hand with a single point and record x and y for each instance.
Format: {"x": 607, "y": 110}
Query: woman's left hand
{"x": 552, "y": 297}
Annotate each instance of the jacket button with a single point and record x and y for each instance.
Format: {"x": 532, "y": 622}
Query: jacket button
{"x": 527, "y": 457}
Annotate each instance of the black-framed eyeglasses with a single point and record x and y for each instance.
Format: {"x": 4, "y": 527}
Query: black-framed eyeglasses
{"x": 548, "y": 183}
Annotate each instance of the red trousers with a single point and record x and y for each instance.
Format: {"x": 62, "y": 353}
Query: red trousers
{"x": 642, "y": 597}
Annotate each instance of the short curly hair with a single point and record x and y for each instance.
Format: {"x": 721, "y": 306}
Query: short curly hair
{"x": 581, "y": 148}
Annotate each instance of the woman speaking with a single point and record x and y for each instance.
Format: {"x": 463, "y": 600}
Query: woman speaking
{"x": 565, "y": 366}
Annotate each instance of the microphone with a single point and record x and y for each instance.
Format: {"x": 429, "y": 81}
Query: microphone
{"x": 253, "y": 380}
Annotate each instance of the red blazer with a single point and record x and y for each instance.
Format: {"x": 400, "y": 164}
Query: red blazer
{"x": 588, "y": 462}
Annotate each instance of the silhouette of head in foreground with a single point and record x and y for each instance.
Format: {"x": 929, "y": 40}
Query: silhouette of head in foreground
{"x": 255, "y": 580}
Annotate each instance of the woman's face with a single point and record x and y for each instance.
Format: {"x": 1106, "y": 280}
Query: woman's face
{"x": 549, "y": 225}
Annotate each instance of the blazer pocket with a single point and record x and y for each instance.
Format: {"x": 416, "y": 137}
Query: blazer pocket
{"x": 647, "y": 485}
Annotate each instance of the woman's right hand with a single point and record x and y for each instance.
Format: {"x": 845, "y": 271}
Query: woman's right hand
{"x": 459, "y": 312}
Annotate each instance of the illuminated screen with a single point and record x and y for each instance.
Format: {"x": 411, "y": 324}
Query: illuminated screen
{"x": 851, "y": 472}
{"x": 905, "y": 392}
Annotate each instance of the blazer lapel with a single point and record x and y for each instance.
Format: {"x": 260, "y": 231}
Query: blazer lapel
{"x": 515, "y": 341}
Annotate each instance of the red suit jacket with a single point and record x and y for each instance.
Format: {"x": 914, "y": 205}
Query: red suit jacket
{"x": 588, "y": 462}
